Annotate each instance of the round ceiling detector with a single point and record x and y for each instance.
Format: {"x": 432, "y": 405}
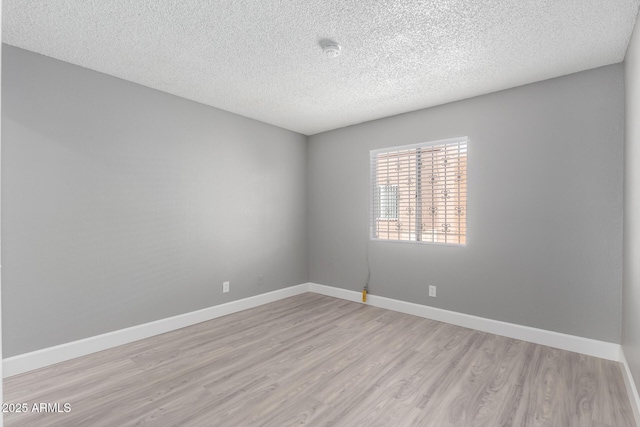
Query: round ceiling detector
{"x": 331, "y": 48}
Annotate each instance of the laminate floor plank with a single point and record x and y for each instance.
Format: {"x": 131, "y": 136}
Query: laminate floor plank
{"x": 310, "y": 375}
{"x": 320, "y": 361}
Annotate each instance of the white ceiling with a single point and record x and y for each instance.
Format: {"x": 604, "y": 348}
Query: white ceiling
{"x": 261, "y": 58}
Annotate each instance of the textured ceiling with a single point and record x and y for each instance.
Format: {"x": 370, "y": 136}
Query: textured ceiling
{"x": 261, "y": 59}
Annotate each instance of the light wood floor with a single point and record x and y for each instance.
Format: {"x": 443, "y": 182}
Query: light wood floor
{"x": 319, "y": 361}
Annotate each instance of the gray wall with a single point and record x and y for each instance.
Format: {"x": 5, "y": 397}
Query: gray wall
{"x": 123, "y": 205}
{"x": 544, "y": 211}
{"x": 631, "y": 289}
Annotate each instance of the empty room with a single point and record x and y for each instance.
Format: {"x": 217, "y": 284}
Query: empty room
{"x": 357, "y": 213}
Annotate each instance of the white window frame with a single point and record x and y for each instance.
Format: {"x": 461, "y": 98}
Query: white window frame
{"x": 374, "y": 194}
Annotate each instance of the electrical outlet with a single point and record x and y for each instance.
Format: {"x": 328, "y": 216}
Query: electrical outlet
{"x": 260, "y": 280}
{"x": 225, "y": 287}
{"x": 432, "y": 291}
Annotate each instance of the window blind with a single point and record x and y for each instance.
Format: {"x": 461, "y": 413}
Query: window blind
{"x": 419, "y": 192}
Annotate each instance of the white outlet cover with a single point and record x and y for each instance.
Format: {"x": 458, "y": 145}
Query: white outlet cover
{"x": 432, "y": 291}
{"x": 225, "y": 287}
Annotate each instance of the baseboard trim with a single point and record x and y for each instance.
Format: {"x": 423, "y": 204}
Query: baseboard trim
{"x": 630, "y": 384}
{"x": 591, "y": 347}
{"x": 60, "y": 353}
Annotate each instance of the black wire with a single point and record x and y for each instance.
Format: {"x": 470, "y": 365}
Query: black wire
{"x": 366, "y": 285}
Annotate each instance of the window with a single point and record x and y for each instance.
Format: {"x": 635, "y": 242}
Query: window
{"x": 419, "y": 192}
{"x": 388, "y": 202}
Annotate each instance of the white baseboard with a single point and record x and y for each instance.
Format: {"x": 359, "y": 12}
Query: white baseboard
{"x": 630, "y": 384}
{"x": 601, "y": 349}
{"x": 49, "y": 356}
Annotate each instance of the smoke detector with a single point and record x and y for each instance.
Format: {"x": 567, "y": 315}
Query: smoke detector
{"x": 330, "y": 48}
